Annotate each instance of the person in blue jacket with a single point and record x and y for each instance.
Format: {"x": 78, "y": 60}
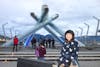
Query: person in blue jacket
{"x": 69, "y": 51}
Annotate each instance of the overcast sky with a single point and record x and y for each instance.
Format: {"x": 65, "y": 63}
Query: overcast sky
{"x": 72, "y": 14}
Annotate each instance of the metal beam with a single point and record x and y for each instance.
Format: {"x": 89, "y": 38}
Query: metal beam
{"x": 34, "y": 29}
{"x": 50, "y": 24}
{"x": 47, "y": 28}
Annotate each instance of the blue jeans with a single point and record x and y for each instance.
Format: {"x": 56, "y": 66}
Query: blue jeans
{"x": 41, "y": 58}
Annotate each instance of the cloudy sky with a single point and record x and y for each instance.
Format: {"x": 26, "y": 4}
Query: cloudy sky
{"x": 72, "y": 15}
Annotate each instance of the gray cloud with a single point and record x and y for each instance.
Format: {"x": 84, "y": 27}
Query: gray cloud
{"x": 73, "y": 13}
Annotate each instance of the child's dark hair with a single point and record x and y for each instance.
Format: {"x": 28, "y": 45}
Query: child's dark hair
{"x": 71, "y": 32}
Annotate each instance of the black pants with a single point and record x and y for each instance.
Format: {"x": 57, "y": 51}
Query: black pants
{"x": 14, "y": 47}
{"x": 34, "y": 45}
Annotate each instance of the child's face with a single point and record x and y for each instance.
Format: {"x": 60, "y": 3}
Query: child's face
{"x": 69, "y": 36}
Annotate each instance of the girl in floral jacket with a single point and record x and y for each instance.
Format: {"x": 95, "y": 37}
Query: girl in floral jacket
{"x": 69, "y": 51}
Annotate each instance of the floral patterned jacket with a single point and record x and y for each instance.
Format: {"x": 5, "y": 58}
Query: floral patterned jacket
{"x": 69, "y": 51}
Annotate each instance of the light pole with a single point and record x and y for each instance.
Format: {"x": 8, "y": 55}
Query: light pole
{"x": 16, "y": 32}
{"x": 86, "y": 41}
{"x": 11, "y": 32}
{"x": 87, "y": 28}
{"x": 81, "y": 30}
{"x": 81, "y": 33}
{"x": 3, "y": 28}
{"x": 76, "y": 33}
{"x": 97, "y": 24}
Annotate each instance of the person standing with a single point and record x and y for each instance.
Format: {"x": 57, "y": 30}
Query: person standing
{"x": 53, "y": 43}
{"x": 15, "y": 43}
{"x": 69, "y": 51}
{"x": 33, "y": 42}
{"x": 42, "y": 51}
{"x": 46, "y": 42}
{"x": 49, "y": 42}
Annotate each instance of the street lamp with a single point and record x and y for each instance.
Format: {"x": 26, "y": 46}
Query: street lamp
{"x": 86, "y": 41}
{"x": 76, "y": 33}
{"x": 16, "y": 32}
{"x": 3, "y": 28}
{"x": 87, "y": 28}
{"x": 81, "y": 33}
{"x": 97, "y": 24}
{"x": 81, "y": 30}
{"x": 11, "y": 32}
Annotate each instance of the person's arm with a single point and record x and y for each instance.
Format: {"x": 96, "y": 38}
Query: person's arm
{"x": 74, "y": 56}
{"x": 75, "y": 50}
{"x": 44, "y": 50}
{"x": 64, "y": 53}
{"x": 62, "y": 50}
{"x": 17, "y": 41}
{"x": 13, "y": 41}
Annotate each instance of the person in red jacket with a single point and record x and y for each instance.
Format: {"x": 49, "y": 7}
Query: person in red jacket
{"x": 42, "y": 52}
{"x": 15, "y": 43}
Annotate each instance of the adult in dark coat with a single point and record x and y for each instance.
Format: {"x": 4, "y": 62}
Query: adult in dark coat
{"x": 33, "y": 42}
